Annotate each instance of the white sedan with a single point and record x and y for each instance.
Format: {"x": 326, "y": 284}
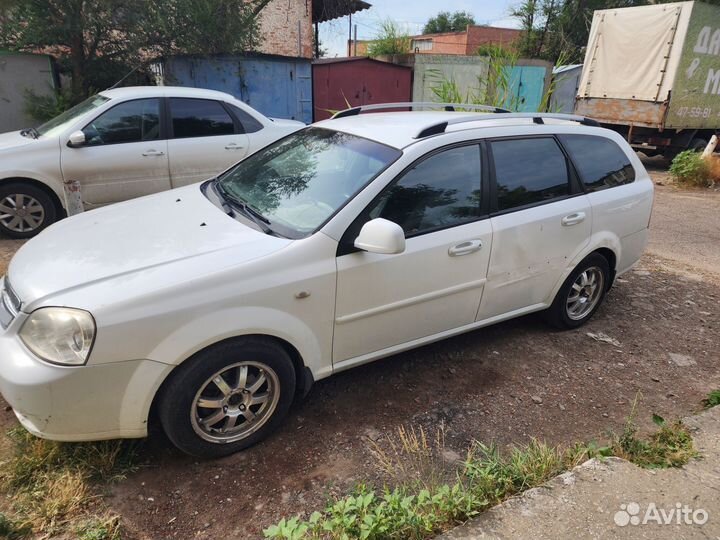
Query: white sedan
{"x": 218, "y": 303}
{"x": 125, "y": 143}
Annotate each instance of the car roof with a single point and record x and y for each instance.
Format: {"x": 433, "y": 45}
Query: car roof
{"x": 400, "y": 129}
{"x": 127, "y": 92}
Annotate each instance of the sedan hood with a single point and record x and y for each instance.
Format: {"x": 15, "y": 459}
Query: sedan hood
{"x": 13, "y": 140}
{"x": 164, "y": 230}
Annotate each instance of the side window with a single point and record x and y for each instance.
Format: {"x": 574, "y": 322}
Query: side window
{"x": 599, "y": 161}
{"x": 440, "y": 191}
{"x": 529, "y": 171}
{"x": 199, "y": 118}
{"x": 128, "y": 122}
{"x": 248, "y": 122}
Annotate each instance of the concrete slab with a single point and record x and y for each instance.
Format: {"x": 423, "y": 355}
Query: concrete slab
{"x": 616, "y": 499}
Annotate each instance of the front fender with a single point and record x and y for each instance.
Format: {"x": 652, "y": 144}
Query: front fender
{"x": 199, "y": 334}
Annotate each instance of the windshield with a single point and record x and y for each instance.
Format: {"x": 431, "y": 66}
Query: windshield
{"x": 297, "y": 183}
{"x": 60, "y": 122}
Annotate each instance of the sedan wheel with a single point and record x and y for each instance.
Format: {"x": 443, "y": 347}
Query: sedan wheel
{"x": 25, "y": 210}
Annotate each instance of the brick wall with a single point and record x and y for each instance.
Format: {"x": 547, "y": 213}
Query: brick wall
{"x": 487, "y": 35}
{"x": 279, "y": 28}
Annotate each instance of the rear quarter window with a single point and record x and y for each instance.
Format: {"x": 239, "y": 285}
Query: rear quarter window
{"x": 600, "y": 162}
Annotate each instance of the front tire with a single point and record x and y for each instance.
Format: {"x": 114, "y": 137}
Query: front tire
{"x": 581, "y": 294}
{"x": 25, "y": 210}
{"x": 228, "y": 397}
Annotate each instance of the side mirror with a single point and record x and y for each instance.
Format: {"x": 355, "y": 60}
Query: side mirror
{"x": 77, "y": 138}
{"x": 381, "y": 236}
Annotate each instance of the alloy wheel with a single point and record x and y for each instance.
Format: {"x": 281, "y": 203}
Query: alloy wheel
{"x": 585, "y": 293}
{"x": 235, "y": 402}
{"x": 21, "y": 213}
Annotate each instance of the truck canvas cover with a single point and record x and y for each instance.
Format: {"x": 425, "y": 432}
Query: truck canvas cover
{"x": 666, "y": 54}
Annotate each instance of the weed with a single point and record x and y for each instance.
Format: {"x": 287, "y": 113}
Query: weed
{"x": 391, "y": 39}
{"x": 689, "y": 168}
{"x": 671, "y": 446}
{"x": 712, "y": 399}
{"x": 11, "y": 530}
{"x": 420, "y": 506}
{"x": 107, "y": 528}
{"x": 49, "y": 484}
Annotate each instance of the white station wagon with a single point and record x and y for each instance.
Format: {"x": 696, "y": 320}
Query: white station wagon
{"x": 216, "y": 304}
{"x": 125, "y": 143}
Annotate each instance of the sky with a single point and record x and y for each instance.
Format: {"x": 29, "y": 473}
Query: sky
{"x": 412, "y": 16}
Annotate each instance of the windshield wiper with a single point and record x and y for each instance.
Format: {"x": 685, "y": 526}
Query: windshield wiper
{"x": 32, "y": 132}
{"x": 231, "y": 203}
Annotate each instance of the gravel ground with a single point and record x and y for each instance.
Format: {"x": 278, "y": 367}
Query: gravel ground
{"x": 505, "y": 383}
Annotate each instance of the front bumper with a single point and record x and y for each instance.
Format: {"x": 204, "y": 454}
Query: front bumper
{"x": 92, "y": 402}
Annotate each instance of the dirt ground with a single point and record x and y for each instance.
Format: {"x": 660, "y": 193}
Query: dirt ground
{"x": 503, "y": 384}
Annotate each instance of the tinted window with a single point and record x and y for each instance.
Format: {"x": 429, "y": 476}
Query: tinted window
{"x": 599, "y": 161}
{"x": 132, "y": 121}
{"x": 199, "y": 118}
{"x": 439, "y": 192}
{"x": 249, "y": 124}
{"x": 529, "y": 171}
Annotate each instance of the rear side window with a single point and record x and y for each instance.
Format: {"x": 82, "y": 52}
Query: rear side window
{"x": 529, "y": 171}
{"x": 599, "y": 161}
{"x": 199, "y": 118}
{"x": 248, "y": 123}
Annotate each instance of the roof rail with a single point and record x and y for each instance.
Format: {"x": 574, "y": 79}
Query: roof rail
{"x": 354, "y": 111}
{"x": 537, "y": 118}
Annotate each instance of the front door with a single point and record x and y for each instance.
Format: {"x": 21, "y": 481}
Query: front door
{"x": 124, "y": 156}
{"x": 436, "y": 284}
{"x": 542, "y": 221}
{"x": 205, "y": 140}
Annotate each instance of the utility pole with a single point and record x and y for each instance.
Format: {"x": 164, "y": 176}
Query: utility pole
{"x": 355, "y": 40}
{"x": 349, "y": 35}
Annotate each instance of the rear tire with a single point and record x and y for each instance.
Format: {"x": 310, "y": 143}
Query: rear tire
{"x": 25, "y": 210}
{"x": 581, "y": 293}
{"x": 697, "y": 145}
{"x": 228, "y": 397}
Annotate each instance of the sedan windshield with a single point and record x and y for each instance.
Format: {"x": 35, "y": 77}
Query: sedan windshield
{"x": 60, "y": 122}
{"x": 297, "y": 183}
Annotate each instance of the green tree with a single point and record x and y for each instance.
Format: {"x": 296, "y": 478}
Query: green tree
{"x": 97, "y": 41}
{"x": 449, "y": 22}
{"x": 390, "y": 39}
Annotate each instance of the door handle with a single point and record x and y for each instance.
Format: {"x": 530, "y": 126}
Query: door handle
{"x": 573, "y": 219}
{"x": 233, "y": 146}
{"x": 153, "y": 153}
{"x": 465, "y": 248}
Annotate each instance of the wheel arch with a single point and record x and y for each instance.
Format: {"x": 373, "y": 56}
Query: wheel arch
{"x": 303, "y": 375}
{"x": 54, "y": 196}
{"x": 611, "y": 258}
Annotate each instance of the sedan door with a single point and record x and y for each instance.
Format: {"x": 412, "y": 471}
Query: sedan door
{"x": 205, "y": 140}
{"x": 541, "y": 222}
{"x": 435, "y": 285}
{"x": 124, "y": 155}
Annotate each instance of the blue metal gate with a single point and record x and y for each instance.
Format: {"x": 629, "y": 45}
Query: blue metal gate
{"x": 279, "y": 87}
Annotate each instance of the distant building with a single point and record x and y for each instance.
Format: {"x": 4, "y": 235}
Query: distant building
{"x": 466, "y": 42}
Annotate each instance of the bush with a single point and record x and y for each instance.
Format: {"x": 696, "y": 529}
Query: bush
{"x": 689, "y": 168}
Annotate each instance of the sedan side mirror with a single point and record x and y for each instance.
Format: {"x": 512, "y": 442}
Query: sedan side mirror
{"x": 77, "y": 138}
{"x": 381, "y": 236}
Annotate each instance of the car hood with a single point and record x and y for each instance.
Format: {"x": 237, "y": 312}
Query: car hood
{"x": 118, "y": 242}
{"x": 13, "y": 140}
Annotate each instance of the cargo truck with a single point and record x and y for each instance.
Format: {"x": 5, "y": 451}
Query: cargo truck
{"x": 652, "y": 73}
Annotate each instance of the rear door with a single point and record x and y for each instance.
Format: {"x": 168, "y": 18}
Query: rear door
{"x": 205, "y": 139}
{"x": 541, "y": 220}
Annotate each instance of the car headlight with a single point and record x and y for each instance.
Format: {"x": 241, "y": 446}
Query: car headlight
{"x": 59, "y": 335}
